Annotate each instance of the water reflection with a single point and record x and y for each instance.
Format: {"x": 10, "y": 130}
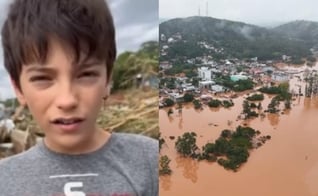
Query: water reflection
{"x": 189, "y": 168}
{"x": 180, "y": 125}
{"x": 273, "y": 119}
{"x": 315, "y": 101}
{"x": 215, "y": 109}
{"x": 165, "y": 182}
{"x": 170, "y": 117}
{"x": 307, "y": 103}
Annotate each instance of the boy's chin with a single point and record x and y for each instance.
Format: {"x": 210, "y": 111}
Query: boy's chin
{"x": 75, "y": 144}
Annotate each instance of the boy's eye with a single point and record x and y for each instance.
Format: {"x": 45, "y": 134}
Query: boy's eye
{"x": 40, "y": 78}
{"x": 88, "y": 74}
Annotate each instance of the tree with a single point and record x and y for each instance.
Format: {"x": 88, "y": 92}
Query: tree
{"x": 227, "y": 103}
{"x": 188, "y": 97}
{"x": 170, "y": 111}
{"x": 256, "y": 97}
{"x": 208, "y": 152}
{"x": 272, "y": 106}
{"x": 226, "y": 133}
{"x": 161, "y": 141}
{"x": 247, "y": 110}
{"x": 164, "y": 168}
{"x": 246, "y": 107}
{"x": 186, "y": 145}
{"x": 197, "y": 104}
{"x": 168, "y": 102}
{"x": 287, "y": 104}
{"x": 214, "y": 103}
{"x": 129, "y": 64}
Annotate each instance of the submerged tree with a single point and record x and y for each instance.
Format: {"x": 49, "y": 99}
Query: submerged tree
{"x": 197, "y": 104}
{"x": 161, "y": 141}
{"x": 186, "y": 145}
{"x": 164, "y": 168}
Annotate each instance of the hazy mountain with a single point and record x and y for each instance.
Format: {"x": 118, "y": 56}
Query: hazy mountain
{"x": 300, "y": 30}
{"x": 237, "y": 39}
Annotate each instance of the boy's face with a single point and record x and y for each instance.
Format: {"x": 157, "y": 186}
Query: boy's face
{"x": 64, "y": 99}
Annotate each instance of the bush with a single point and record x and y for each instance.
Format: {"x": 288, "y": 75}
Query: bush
{"x": 256, "y": 97}
{"x": 214, "y": 103}
{"x": 188, "y": 97}
{"x": 168, "y": 102}
{"x": 197, "y": 104}
{"x": 270, "y": 90}
{"x": 227, "y": 103}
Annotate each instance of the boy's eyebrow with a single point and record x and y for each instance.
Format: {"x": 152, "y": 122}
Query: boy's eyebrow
{"x": 88, "y": 64}
{"x": 83, "y": 65}
{"x": 39, "y": 69}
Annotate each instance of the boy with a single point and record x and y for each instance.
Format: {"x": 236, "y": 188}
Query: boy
{"x": 60, "y": 54}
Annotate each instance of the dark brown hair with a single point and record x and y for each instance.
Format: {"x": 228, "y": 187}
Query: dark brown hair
{"x": 86, "y": 26}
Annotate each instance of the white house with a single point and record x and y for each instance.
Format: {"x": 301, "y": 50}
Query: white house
{"x": 280, "y": 77}
{"x": 171, "y": 40}
{"x": 217, "y": 88}
{"x": 205, "y": 73}
{"x": 162, "y": 37}
{"x": 206, "y": 84}
{"x": 176, "y": 97}
{"x": 165, "y": 47}
{"x": 189, "y": 88}
{"x": 286, "y": 58}
{"x": 165, "y": 65}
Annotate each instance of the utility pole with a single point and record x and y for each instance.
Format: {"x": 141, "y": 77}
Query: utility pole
{"x": 207, "y": 8}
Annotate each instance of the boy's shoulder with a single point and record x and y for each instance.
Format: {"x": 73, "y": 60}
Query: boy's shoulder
{"x": 136, "y": 142}
{"x": 137, "y": 139}
{"x": 132, "y": 146}
{"x": 19, "y": 162}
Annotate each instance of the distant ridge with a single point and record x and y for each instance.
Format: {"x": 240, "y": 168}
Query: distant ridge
{"x": 241, "y": 40}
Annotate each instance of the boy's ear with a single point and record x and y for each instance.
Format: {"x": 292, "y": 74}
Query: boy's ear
{"x": 108, "y": 86}
{"x": 106, "y": 91}
{"x": 18, "y": 93}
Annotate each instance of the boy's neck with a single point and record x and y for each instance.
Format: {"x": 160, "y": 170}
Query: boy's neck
{"x": 99, "y": 139}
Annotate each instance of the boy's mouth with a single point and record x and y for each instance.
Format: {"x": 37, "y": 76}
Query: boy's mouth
{"x": 67, "y": 121}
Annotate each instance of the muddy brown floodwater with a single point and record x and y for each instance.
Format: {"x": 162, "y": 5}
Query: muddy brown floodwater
{"x": 286, "y": 165}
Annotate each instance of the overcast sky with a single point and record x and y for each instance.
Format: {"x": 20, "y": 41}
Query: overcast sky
{"x": 136, "y": 21}
{"x": 260, "y": 12}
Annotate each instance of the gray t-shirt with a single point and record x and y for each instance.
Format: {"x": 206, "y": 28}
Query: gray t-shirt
{"x": 127, "y": 165}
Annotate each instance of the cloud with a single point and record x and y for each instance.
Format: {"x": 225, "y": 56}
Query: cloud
{"x": 249, "y": 11}
{"x": 136, "y": 22}
{"x": 133, "y": 35}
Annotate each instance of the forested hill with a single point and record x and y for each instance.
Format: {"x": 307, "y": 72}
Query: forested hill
{"x": 229, "y": 39}
{"x": 306, "y": 31}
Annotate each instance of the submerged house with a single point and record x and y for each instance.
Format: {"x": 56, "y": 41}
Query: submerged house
{"x": 176, "y": 97}
{"x": 280, "y": 77}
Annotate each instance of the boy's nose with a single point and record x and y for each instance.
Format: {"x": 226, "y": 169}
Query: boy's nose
{"x": 66, "y": 99}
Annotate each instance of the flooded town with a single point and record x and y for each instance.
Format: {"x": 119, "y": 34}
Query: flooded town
{"x": 285, "y": 165}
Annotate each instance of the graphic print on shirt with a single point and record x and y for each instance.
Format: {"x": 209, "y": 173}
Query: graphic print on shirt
{"x": 74, "y": 188}
{"x": 68, "y": 189}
